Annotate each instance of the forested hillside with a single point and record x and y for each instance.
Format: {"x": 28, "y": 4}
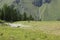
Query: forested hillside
{"x": 39, "y": 9}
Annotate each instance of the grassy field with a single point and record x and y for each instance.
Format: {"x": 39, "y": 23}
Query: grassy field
{"x": 38, "y": 32}
{"x": 51, "y": 27}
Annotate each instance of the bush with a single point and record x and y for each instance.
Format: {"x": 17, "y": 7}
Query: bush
{"x": 58, "y": 19}
{"x": 1, "y": 21}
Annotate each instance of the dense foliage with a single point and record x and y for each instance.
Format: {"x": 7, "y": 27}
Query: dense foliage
{"x": 8, "y": 13}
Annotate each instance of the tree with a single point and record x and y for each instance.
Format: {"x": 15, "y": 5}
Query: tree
{"x": 31, "y": 18}
{"x": 24, "y": 16}
{"x": 0, "y": 13}
{"x": 20, "y": 17}
{"x": 8, "y": 13}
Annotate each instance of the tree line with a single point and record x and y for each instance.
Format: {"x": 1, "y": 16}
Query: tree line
{"x": 8, "y": 13}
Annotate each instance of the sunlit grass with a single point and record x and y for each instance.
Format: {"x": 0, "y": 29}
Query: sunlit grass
{"x": 9, "y": 33}
{"x": 24, "y": 34}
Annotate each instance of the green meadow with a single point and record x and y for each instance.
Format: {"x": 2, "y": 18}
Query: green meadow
{"x": 33, "y": 33}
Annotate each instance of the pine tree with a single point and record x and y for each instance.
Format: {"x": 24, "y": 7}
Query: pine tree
{"x": 8, "y": 13}
{"x": 31, "y": 18}
{"x": 25, "y": 16}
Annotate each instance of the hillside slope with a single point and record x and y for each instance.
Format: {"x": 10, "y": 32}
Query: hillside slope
{"x": 47, "y": 11}
{"x": 52, "y": 11}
